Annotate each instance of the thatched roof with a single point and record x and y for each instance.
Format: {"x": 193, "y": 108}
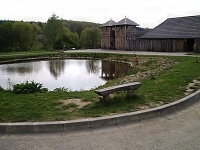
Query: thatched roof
{"x": 126, "y": 21}
{"x": 181, "y": 27}
{"x": 109, "y": 23}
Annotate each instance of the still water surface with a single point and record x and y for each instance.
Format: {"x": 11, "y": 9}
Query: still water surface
{"x": 72, "y": 74}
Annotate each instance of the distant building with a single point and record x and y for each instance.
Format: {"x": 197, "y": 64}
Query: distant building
{"x": 118, "y": 35}
{"x": 173, "y": 35}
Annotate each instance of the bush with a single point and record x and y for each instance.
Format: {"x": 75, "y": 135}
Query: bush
{"x": 28, "y": 87}
{"x": 61, "y": 89}
{"x": 1, "y": 89}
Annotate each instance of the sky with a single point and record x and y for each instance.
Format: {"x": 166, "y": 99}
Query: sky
{"x": 147, "y": 13}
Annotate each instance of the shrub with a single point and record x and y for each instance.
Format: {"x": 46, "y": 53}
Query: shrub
{"x": 1, "y": 89}
{"x": 61, "y": 89}
{"x": 28, "y": 87}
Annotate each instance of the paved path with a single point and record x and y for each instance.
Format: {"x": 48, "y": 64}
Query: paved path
{"x": 178, "y": 131}
{"x": 132, "y": 52}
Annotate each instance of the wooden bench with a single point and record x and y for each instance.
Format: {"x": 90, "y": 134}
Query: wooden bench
{"x": 129, "y": 87}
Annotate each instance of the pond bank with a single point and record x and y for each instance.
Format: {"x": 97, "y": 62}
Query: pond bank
{"x": 165, "y": 86}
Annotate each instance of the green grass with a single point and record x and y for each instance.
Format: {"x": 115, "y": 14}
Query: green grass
{"x": 23, "y": 55}
{"x": 167, "y": 86}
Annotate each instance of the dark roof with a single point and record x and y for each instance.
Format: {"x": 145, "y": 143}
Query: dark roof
{"x": 181, "y": 27}
{"x": 109, "y": 23}
{"x": 126, "y": 21}
{"x": 122, "y": 22}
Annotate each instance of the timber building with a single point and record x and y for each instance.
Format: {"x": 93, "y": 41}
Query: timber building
{"x": 173, "y": 35}
{"x": 118, "y": 35}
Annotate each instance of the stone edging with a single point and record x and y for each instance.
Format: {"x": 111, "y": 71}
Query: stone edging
{"x": 61, "y": 126}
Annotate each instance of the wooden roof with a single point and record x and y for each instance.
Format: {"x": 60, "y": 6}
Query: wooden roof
{"x": 126, "y": 21}
{"x": 122, "y": 22}
{"x": 181, "y": 27}
{"x": 109, "y": 23}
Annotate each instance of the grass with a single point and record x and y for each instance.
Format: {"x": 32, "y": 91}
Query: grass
{"x": 166, "y": 86}
{"x": 25, "y": 55}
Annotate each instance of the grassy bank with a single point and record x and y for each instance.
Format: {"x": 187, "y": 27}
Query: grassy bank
{"x": 161, "y": 85}
{"x": 25, "y": 55}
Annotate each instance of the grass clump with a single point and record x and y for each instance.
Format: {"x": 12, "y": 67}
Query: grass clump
{"x": 28, "y": 87}
{"x": 70, "y": 105}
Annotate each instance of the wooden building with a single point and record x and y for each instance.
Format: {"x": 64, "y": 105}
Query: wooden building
{"x": 118, "y": 35}
{"x": 108, "y": 35}
{"x": 174, "y": 34}
{"x": 181, "y": 34}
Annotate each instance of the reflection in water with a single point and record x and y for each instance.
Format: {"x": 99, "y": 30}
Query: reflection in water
{"x": 56, "y": 67}
{"x": 93, "y": 66}
{"x": 71, "y": 74}
{"x": 21, "y": 68}
{"x": 111, "y": 70}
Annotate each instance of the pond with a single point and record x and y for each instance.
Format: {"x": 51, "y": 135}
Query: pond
{"x": 74, "y": 75}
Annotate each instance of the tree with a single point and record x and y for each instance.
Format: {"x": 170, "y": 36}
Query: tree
{"x": 6, "y": 36}
{"x": 79, "y": 26}
{"x": 69, "y": 39}
{"x": 23, "y": 35}
{"x": 90, "y": 38}
{"x": 75, "y": 39}
{"x": 18, "y": 35}
{"x": 36, "y": 32}
{"x": 53, "y": 30}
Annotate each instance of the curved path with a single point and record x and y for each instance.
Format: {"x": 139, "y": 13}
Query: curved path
{"x": 180, "y": 130}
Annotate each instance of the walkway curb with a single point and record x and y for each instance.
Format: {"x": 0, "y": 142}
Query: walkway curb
{"x": 84, "y": 124}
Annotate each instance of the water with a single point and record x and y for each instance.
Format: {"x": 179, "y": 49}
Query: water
{"x": 74, "y": 75}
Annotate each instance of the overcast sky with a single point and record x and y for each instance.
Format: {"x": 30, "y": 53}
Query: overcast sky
{"x": 147, "y": 13}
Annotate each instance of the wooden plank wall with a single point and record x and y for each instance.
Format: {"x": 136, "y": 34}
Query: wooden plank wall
{"x": 150, "y": 45}
{"x": 198, "y": 45}
{"x": 120, "y": 38}
{"x": 105, "y": 38}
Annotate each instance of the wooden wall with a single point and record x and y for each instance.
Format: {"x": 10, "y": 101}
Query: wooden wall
{"x": 198, "y": 45}
{"x": 159, "y": 45}
{"x": 179, "y": 45}
{"x": 120, "y": 37}
{"x": 105, "y": 37}
{"x": 123, "y": 38}
{"x": 151, "y": 45}
{"x": 108, "y": 38}
{"x": 130, "y": 36}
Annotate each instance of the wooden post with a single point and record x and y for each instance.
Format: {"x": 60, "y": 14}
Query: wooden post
{"x": 130, "y": 93}
{"x": 115, "y": 37}
{"x": 108, "y": 44}
{"x": 174, "y": 45}
{"x": 125, "y": 38}
{"x": 106, "y": 98}
{"x": 101, "y": 37}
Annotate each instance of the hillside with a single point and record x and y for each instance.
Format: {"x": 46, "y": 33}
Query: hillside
{"x": 79, "y": 26}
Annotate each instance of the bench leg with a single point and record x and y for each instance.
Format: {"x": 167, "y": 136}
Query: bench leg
{"x": 130, "y": 93}
{"x": 106, "y": 98}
